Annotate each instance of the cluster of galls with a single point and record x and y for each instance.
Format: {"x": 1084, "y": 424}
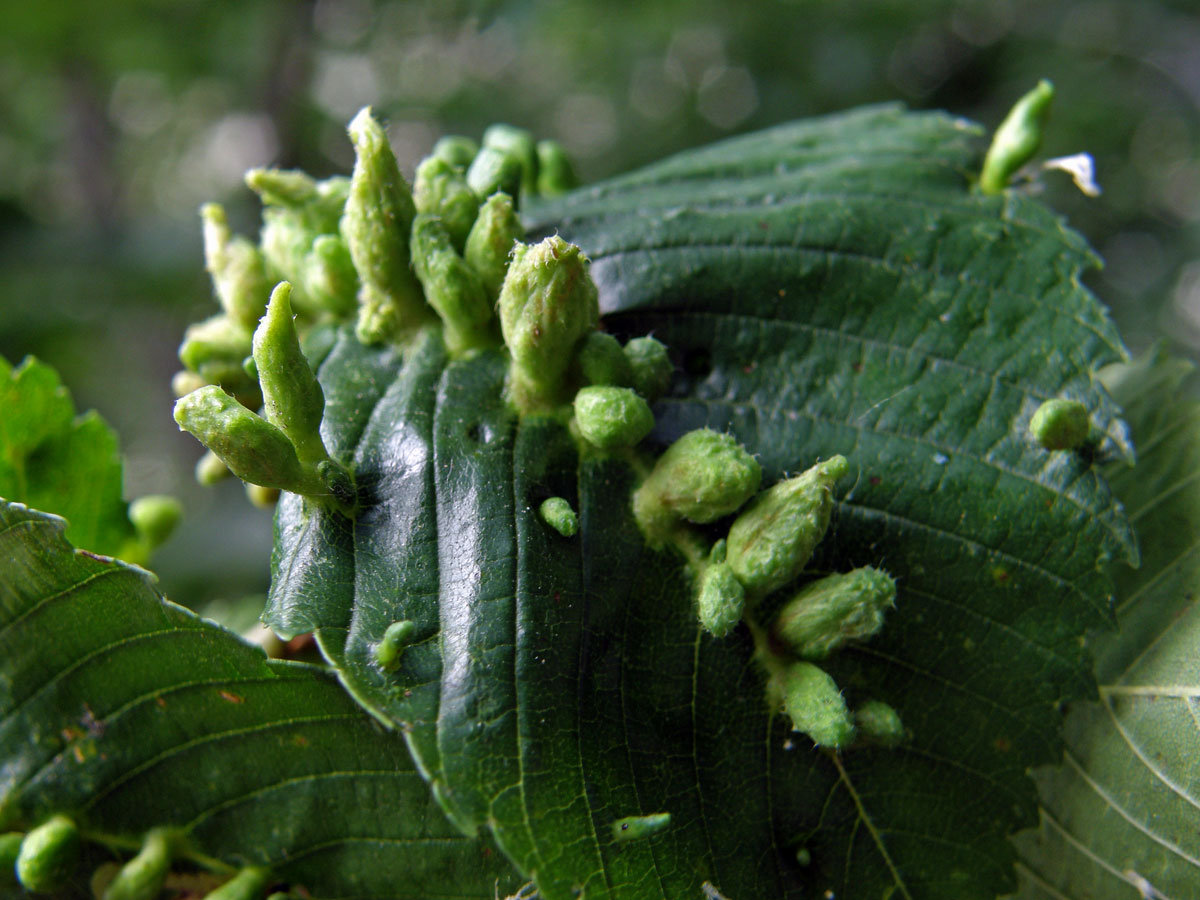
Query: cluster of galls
{"x": 706, "y": 476}
{"x": 365, "y": 249}
{"x": 43, "y": 860}
{"x": 450, "y": 253}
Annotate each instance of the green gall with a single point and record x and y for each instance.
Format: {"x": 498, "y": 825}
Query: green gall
{"x": 248, "y": 884}
{"x": 102, "y": 877}
{"x": 557, "y": 513}
{"x": 632, "y": 828}
{"x": 1060, "y": 424}
{"x": 491, "y": 240}
{"x": 835, "y": 610}
{"x": 652, "y": 368}
{"x": 701, "y": 477}
{"x": 210, "y": 469}
{"x": 518, "y": 143}
{"x": 547, "y": 304}
{"x": 292, "y": 397}
{"x": 184, "y": 382}
{"x": 774, "y": 537}
{"x": 456, "y": 150}
{"x": 298, "y": 213}
{"x": 327, "y": 208}
{"x": 451, "y": 287}
{"x": 720, "y": 599}
{"x": 254, "y": 450}
{"x": 236, "y": 266}
{"x": 718, "y": 552}
{"x": 144, "y": 876}
{"x": 330, "y": 277}
{"x": 215, "y": 348}
{"x": 262, "y": 497}
{"x": 495, "y": 170}
{"x": 391, "y": 646}
{"x": 286, "y": 240}
{"x": 320, "y": 202}
{"x": 811, "y": 699}
{"x": 879, "y": 723}
{"x": 555, "y": 175}
{"x": 380, "y": 319}
{"x": 612, "y": 417}
{"x": 602, "y": 361}
{"x": 1017, "y": 139}
{"x": 289, "y": 188}
{"x": 48, "y": 854}
{"x": 10, "y": 848}
{"x": 441, "y": 190}
{"x": 803, "y": 856}
{"x": 375, "y": 225}
{"x": 154, "y": 518}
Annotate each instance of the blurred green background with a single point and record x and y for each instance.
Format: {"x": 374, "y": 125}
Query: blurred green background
{"x": 118, "y": 119}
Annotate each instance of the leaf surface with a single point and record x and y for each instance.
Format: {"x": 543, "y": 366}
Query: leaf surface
{"x": 827, "y": 287}
{"x": 1121, "y": 817}
{"x": 128, "y": 712}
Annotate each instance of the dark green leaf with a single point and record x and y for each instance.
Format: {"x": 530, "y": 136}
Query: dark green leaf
{"x": 828, "y": 287}
{"x": 52, "y": 460}
{"x": 128, "y": 712}
{"x": 1122, "y": 814}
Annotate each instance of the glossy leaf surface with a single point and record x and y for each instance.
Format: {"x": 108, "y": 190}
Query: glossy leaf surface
{"x": 128, "y": 712}
{"x": 827, "y": 287}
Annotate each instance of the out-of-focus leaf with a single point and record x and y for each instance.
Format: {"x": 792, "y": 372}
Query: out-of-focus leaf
{"x": 52, "y": 460}
{"x": 1121, "y": 817}
{"x": 128, "y": 712}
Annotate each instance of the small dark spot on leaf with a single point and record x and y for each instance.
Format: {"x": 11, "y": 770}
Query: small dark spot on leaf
{"x": 1003, "y": 744}
{"x": 875, "y": 479}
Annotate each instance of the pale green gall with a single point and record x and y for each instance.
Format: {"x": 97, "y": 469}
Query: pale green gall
{"x": 835, "y": 610}
{"x": 612, "y": 417}
{"x": 775, "y": 535}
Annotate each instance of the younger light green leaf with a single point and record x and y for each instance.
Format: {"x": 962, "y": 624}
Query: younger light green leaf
{"x": 128, "y": 712}
{"x": 53, "y": 460}
{"x": 1120, "y": 818}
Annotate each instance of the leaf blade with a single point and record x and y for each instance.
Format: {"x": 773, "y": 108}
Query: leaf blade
{"x": 128, "y": 713}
